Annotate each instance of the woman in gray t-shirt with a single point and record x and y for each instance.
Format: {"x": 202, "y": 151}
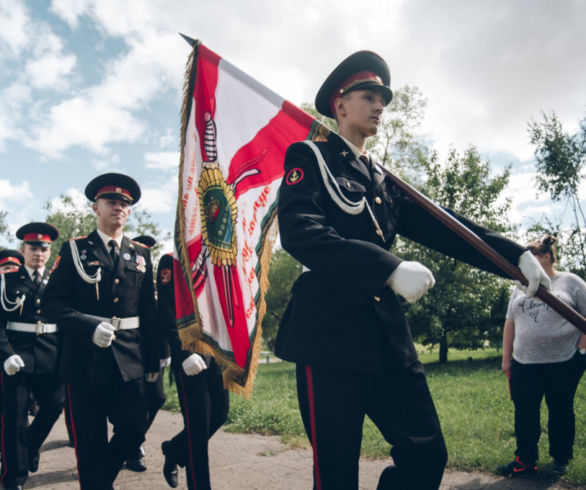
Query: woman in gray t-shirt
{"x": 544, "y": 355}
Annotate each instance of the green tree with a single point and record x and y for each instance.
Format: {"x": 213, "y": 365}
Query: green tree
{"x": 459, "y": 310}
{"x": 397, "y": 144}
{"x": 72, "y": 220}
{"x": 283, "y": 272}
{"x": 560, "y": 158}
{"x": 4, "y": 226}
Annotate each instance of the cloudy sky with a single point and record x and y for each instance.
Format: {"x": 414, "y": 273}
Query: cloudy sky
{"x": 93, "y": 86}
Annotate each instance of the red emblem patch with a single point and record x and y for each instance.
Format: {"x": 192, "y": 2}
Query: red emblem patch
{"x": 294, "y": 176}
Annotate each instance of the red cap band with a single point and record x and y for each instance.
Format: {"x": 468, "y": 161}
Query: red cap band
{"x": 112, "y": 189}
{"x": 10, "y": 259}
{"x": 36, "y": 237}
{"x": 355, "y": 79}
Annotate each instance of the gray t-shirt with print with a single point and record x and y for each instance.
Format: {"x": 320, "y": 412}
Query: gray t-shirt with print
{"x": 541, "y": 334}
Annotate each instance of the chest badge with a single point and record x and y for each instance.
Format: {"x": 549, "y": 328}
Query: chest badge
{"x": 140, "y": 263}
{"x": 294, "y": 176}
{"x": 126, "y": 256}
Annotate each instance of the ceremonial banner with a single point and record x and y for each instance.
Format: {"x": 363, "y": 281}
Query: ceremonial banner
{"x": 233, "y": 140}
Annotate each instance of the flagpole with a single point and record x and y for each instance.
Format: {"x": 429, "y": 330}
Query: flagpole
{"x": 490, "y": 253}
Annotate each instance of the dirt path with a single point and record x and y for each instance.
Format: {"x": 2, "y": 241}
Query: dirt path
{"x": 238, "y": 462}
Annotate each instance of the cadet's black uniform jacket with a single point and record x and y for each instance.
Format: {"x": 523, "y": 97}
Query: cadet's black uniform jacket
{"x": 341, "y": 309}
{"x": 39, "y": 352}
{"x": 124, "y": 291}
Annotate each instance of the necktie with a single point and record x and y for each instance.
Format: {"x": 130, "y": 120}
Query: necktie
{"x": 113, "y": 250}
{"x": 36, "y": 277}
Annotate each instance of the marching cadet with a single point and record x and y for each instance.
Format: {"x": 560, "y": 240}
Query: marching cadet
{"x": 10, "y": 260}
{"x": 200, "y": 388}
{"x": 29, "y": 355}
{"x": 344, "y": 326}
{"x": 101, "y": 294}
{"x": 155, "y": 392}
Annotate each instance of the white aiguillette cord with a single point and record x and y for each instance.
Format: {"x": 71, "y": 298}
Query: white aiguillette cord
{"x": 95, "y": 279}
{"x": 336, "y": 194}
{"x": 8, "y": 305}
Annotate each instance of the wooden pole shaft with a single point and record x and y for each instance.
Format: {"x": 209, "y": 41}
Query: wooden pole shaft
{"x": 490, "y": 253}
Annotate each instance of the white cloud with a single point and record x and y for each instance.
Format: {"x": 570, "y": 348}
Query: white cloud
{"x": 161, "y": 198}
{"x": 487, "y": 68}
{"x": 50, "y": 70}
{"x": 70, "y": 10}
{"x": 15, "y": 34}
{"x": 78, "y": 198}
{"x": 109, "y": 164}
{"x": 84, "y": 121}
{"x": 163, "y": 160}
{"x": 107, "y": 113}
{"x": 20, "y": 202}
{"x": 12, "y": 100}
{"x": 525, "y": 200}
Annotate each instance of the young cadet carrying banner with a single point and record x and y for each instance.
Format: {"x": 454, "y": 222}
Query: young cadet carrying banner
{"x": 344, "y": 327}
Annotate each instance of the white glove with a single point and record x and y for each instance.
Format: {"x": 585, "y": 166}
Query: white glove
{"x": 411, "y": 280}
{"x": 533, "y": 272}
{"x": 13, "y": 364}
{"x": 103, "y": 335}
{"x": 193, "y": 365}
{"x": 163, "y": 363}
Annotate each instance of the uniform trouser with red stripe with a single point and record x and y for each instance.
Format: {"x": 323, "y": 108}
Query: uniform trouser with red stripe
{"x": 204, "y": 405}
{"x": 558, "y": 382}
{"x": 91, "y": 406}
{"x": 17, "y": 437}
{"x": 333, "y": 405}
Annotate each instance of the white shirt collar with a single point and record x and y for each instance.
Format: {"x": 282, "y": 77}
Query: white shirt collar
{"x": 31, "y": 271}
{"x": 106, "y": 239}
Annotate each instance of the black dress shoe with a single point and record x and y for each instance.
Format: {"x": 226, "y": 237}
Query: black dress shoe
{"x": 136, "y": 464}
{"x": 170, "y": 470}
{"x": 33, "y": 460}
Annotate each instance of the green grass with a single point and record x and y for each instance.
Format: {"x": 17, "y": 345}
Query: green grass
{"x": 471, "y": 396}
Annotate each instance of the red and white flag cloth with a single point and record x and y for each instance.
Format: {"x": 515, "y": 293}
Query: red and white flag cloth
{"x": 235, "y": 133}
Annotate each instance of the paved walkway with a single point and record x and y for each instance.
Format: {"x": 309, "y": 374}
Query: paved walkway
{"x": 239, "y": 462}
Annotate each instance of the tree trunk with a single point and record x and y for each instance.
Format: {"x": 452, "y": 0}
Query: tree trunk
{"x": 443, "y": 353}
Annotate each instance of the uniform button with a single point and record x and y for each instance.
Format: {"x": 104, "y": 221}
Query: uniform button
{"x": 348, "y": 185}
{"x": 116, "y": 281}
{"x": 378, "y": 200}
{"x": 38, "y": 301}
{"x": 377, "y": 299}
{"x": 116, "y": 300}
{"x": 38, "y": 312}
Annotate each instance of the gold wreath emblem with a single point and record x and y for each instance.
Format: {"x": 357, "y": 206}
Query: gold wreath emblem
{"x": 218, "y": 212}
